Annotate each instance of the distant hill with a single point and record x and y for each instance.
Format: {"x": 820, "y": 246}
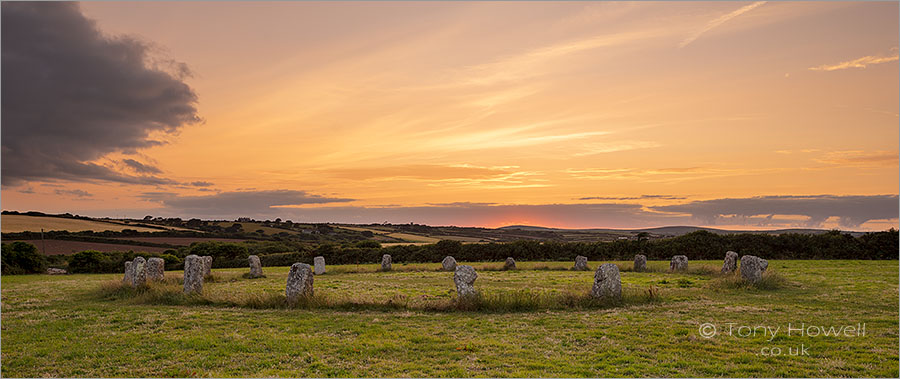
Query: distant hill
{"x": 673, "y": 230}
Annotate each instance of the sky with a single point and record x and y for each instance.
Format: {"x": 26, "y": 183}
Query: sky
{"x": 736, "y": 115}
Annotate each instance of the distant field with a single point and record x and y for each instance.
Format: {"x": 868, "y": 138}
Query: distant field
{"x": 413, "y": 237}
{"x": 55, "y": 247}
{"x": 360, "y": 229}
{"x": 180, "y": 241}
{"x": 22, "y": 223}
{"x": 59, "y": 326}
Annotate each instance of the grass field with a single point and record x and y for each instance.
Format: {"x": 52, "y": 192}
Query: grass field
{"x": 22, "y": 223}
{"x": 64, "y": 326}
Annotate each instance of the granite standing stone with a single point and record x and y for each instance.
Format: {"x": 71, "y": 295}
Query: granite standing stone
{"x": 679, "y": 263}
{"x": 255, "y": 267}
{"x": 299, "y": 282}
{"x": 193, "y": 274}
{"x": 607, "y": 282}
{"x": 386, "y": 262}
{"x": 207, "y": 265}
{"x": 128, "y": 273}
{"x": 752, "y": 268}
{"x": 580, "y": 263}
{"x": 510, "y": 264}
{"x": 764, "y": 264}
{"x": 449, "y": 263}
{"x": 640, "y": 263}
{"x": 156, "y": 269}
{"x": 464, "y": 277}
{"x": 730, "y": 263}
{"x": 138, "y": 272}
{"x": 319, "y": 265}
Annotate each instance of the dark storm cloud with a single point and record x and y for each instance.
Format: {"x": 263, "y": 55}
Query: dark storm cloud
{"x": 235, "y": 204}
{"x": 141, "y": 168}
{"x": 853, "y": 211}
{"x": 71, "y": 95}
{"x": 75, "y": 193}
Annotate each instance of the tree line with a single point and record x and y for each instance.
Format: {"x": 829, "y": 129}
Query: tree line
{"x": 20, "y": 257}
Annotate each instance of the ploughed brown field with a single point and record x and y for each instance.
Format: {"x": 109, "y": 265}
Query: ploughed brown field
{"x": 55, "y": 247}
{"x": 180, "y": 241}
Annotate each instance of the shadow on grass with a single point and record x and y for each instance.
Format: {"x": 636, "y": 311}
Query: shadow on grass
{"x": 170, "y": 292}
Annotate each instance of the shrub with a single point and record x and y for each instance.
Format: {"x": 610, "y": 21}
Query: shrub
{"x": 21, "y": 258}
{"x": 89, "y": 261}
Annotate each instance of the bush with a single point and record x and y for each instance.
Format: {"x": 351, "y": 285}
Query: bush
{"x": 89, "y": 261}
{"x": 21, "y": 258}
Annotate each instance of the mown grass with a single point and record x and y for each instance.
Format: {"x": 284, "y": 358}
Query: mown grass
{"x": 528, "y": 322}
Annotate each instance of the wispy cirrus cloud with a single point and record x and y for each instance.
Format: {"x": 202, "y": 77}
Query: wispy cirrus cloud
{"x": 861, "y": 62}
{"x": 719, "y": 21}
{"x": 642, "y": 197}
{"x": 878, "y": 158}
{"x": 420, "y": 171}
{"x": 250, "y": 203}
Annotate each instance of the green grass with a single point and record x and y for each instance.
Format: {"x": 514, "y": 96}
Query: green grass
{"x": 535, "y": 321}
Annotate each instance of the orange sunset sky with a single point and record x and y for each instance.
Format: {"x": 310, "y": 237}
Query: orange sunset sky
{"x": 737, "y": 115}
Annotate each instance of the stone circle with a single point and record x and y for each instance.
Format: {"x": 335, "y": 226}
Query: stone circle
{"x": 448, "y": 264}
{"x": 679, "y": 263}
{"x": 581, "y": 263}
{"x": 464, "y": 277}
{"x": 640, "y": 263}
{"x": 607, "y": 282}
{"x": 156, "y": 268}
{"x": 193, "y": 274}
{"x": 730, "y": 263}
{"x": 255, "y": 267}
{"x": 319, "y": 265}
{"x": 386, "y": 262}
{"x": 299, "y": 282}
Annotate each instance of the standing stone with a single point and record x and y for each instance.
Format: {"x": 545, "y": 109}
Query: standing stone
{"x": 138, "y": 272}
{"x": 299, "y": 282}
{"x": 640, "y": 263}
{"x": 510, "y": 264}
{"x": 128, "y": 274}
{"x": 193, "y": 274}
{"x": 319, "y": 263}
{"x": 386, "y": 262}
{"x": 449, "y": 263}
{"x": 255, "y": 267}
{"x": 156, "y": 268}
{"x": 464, "y": 277}
{"x": 207, "y": 265}
{"x": 607, "y": 282}
{"x": 730, "y": 262}
{"x": 580, "y": 263}
{"x": 679, "y": 263}
{"x": 752, "y": 268}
